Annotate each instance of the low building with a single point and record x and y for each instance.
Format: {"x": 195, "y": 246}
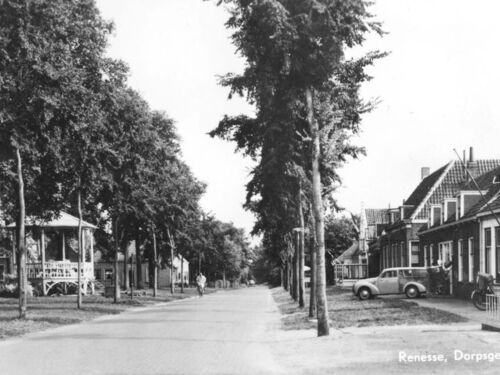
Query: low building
{"x": 52, "y": 253}
{"x": 433, "y": 197}
{"x": 104, "y": 273}
{"x": 358, "y": 261}
{"x": 464, "y": 232}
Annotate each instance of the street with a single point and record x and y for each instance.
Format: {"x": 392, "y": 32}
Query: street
{"x": 238, "y": 332}
{"x": 220, "y": 333}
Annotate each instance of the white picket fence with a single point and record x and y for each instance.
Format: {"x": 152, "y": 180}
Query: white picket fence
{"x": 492, "y": 302}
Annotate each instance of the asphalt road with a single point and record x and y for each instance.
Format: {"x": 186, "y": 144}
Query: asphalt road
{"x": 238, "y": 332}
{"x": 222, "y": 333}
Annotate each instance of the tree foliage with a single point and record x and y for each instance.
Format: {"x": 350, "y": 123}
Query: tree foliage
{"x": 72, "y": 130}
{"x": 306, "y": 95}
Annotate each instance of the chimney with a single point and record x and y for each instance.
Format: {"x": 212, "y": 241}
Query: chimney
{"x": 425, "y": 172}
{"x": 472, "y": 165}
{"x": 464, "y": 161}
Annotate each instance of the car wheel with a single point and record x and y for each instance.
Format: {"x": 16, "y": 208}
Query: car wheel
{"x": 364, "y": 294}
{"x": 412, "y": 291}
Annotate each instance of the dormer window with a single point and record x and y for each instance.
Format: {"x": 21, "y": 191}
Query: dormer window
{"x": 467, "y": 199}
{"x": 449, "y": 209}
{"x": 435, "y": 215}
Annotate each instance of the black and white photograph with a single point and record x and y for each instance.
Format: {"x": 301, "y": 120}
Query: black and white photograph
{"x": 249, "y": 187}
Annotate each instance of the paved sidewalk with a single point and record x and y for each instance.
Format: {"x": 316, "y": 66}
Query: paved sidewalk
{"x": 457, "y": 306}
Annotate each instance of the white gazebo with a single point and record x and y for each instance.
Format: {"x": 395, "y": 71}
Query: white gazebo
{"x": 52, "y": 252}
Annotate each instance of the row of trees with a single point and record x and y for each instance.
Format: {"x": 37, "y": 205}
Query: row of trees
{"x": 75, "y": 136}
{"x": 306, "y": 96}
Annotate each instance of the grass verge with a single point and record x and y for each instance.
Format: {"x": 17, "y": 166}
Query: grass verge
{"x": 48, "y": 312}
{"x": 346, "y": 310}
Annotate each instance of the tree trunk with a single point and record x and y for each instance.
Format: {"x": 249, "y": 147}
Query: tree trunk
{"x": 282, "y": 275}
{"x": 312, "y": 250}
{"x": 289, "y": 273}
{"x": 317, "y": 202}
{"x": 138, "y": 259}
{"x": 301, "y": 251}
{"x": 182, "y": 274}
{"x": 80, "y": 250}
{"x": 22, "y": 277}
{"x": 284, "y": 272}
{"x": 199, "y": 262}
{"x": 115, "y": 274}
{"x": 126, "y": 275}
{"x": 132, "y": 277}
{"x": 295, "y": 275}
{"x": 155, "y": 270}
{"x": 171, "y": 240}
{"x": 172, "y": 284}
{"x": 297, "y": 270}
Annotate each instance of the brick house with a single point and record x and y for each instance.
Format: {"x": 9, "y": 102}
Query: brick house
{"x": 374, "y": 220}
{"x": 467, "y": 235}
{"x": 434, "y": 196}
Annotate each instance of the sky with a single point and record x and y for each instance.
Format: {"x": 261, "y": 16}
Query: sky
{"x": 438, "y": 90}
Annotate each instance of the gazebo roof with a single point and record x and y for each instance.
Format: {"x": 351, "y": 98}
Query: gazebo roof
{"x": 64, "y": 220}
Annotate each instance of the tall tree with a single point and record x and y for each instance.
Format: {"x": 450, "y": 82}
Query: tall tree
{"x": 50, "y": 54}
{"x": 295, "y": 57}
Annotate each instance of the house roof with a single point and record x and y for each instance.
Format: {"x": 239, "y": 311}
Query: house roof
{"x": 376, "y": 216}
{"x": 489, "y": 181}
{"x": 424, "y": 187}
{"x": 350, "y": 252}
{"x": 484, "y": 181}
{"x": 446, "y": 182}
{"x": 64, "y": 220}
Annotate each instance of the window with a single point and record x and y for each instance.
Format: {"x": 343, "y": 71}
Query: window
{"x": 470, "y": 243}
{"x": 426, "y": 258}
{"x": 450, "y": 209}
{"x": 2, "y": 271}
{"x": 413, "y": 273}
{"x": 497, "y": 254}
{"x": 487, "y": 249}
{"x": 393, "y": 258}
{"x": 98, "y": 273}
{"x": 431, "y": 255}
{"x": 435, "y": 215}
{"x": 387, "y": 274}
{"x": 415, "y": 256}
{"x": 108, "y": 274}
{"x": 460, "y": 261}
{"x": 402, "y": 253}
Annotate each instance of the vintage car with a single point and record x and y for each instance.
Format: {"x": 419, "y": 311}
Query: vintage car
{"x": 412, "y": 281}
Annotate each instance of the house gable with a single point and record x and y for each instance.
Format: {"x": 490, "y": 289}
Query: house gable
{"x": 448, "y": 184}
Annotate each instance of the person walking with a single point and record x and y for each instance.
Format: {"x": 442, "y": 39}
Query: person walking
{"x": 200, "y": 282}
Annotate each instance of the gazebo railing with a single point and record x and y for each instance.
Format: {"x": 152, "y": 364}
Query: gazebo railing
{"x": 59, "y": 270}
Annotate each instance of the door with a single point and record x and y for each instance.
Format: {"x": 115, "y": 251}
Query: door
{"x": 387, "y": 282}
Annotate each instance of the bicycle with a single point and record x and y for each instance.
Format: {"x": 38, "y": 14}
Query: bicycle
{"x": 483, "y": 287}
{"x": 201, "y": 289}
